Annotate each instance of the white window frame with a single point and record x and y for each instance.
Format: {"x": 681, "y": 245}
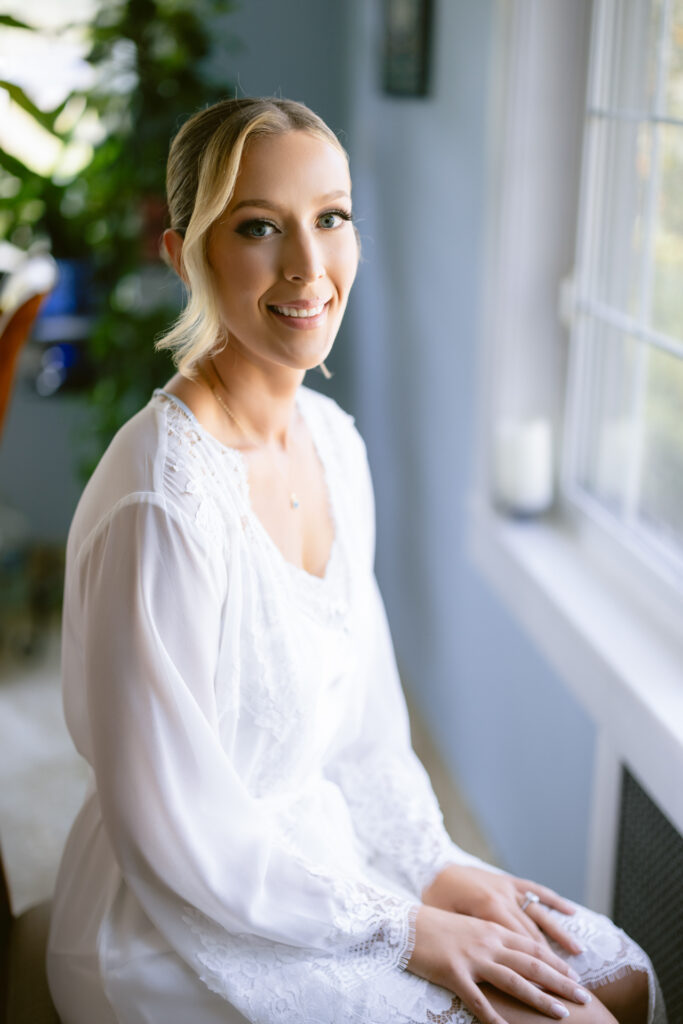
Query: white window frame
{"x": 651, "y": 562}
{"x": 616, "y": 643}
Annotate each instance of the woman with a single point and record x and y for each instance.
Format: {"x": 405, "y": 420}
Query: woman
{"x": 258, "y": 834}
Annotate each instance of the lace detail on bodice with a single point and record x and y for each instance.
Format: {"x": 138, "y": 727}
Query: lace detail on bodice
{"x": 201, "y": 477}
{"x": 268, "y": 681}
{"x": 213, "y": 480}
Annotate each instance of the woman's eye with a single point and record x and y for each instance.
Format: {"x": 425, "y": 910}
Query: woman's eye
{"x": 333, "y": 218}
{"x": 256, "y": 229}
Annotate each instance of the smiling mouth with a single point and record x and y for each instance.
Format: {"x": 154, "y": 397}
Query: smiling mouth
{"x": 299, "y": 313}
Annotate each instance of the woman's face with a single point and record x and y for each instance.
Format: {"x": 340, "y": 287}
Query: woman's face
{"x": 284, "y": 252}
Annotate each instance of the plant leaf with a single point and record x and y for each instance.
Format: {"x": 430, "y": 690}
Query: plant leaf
{"x": 45, "y": 119}
{"x": 9, "y": 22}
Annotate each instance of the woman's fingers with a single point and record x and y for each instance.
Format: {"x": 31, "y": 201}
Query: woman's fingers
{"x": 515, "y": 985}
{"x": 548, "y": 926}
{"x": 477, "y": 1003}
{"x": 540, "y": 974}
{"x": 522, "y": 924}
{"x": 462, "y": 953}
{"x": 545, "y": 895}
{"x": 540, "y": 927}
{"x": 536, "y": 911}
{"x": 540, "y": 952}
{"x": 531, "y": 973}
{"x": 553, "y": 929}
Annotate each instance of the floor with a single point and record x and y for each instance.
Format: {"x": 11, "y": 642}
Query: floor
{"x": 42, "y": 779}
{"x": 458, "y": 817}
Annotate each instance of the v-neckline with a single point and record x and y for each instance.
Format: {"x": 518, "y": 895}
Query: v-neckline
{"x": 241, "y": 461}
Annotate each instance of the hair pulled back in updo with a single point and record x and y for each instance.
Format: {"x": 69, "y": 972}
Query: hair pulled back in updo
{"x": 203, "y": 164}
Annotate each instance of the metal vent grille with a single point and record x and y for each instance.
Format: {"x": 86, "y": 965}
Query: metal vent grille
{"x": 648, "y": 895}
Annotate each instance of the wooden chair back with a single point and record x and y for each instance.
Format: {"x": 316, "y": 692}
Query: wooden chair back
{"x": 5, "y": 933}
{"x": 24, "y": 993}
{"x": 15, "y": 333}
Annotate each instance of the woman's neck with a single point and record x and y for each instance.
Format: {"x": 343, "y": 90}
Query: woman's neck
{"x": 261, "y": 400}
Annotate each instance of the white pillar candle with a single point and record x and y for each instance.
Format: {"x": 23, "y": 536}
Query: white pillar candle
{"x": 523, "y": 466}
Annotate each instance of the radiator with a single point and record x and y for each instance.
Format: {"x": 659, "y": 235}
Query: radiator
{"x": 648, "y": 891}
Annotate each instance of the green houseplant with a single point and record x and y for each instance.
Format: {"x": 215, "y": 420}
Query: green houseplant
{"x": 156, "y": 61}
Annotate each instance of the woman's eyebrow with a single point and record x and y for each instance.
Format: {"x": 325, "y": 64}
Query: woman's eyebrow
{"x": 266, "y": 203}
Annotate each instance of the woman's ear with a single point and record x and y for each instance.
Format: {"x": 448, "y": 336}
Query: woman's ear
{"x": 173, "y": 244}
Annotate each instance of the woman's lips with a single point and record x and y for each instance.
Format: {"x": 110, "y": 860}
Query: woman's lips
{"x": 302, "y": 316}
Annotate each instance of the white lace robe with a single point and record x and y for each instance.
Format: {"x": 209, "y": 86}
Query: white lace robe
{"x": 258, "y": 830}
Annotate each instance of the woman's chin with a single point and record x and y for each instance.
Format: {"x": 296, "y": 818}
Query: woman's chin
{"x": 309, "y": 360}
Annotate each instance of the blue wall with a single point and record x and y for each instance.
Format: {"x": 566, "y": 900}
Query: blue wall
{"x": 298, "y": 50}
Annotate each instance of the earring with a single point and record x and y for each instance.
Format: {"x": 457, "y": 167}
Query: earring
{"x": 325, "y": 372}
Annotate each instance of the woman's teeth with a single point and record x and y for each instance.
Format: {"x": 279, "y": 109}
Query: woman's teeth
{"x": 301, "y": 313}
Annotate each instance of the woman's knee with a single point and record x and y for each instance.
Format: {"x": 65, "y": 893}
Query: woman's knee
{"x": 627, "y": 997}
{"x": 594, "y": 1013}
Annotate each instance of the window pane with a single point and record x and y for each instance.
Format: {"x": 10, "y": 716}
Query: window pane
{"x": 674, "y": 87}
{"x": 627, "y": 77}
{"x": 667, "y": 299}
{"x": 622, "y": 161}
{"x": 661, "y": 499}
{"x": 608, "y": 444}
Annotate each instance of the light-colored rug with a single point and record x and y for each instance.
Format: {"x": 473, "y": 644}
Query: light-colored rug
{"x": 42, "y": 778}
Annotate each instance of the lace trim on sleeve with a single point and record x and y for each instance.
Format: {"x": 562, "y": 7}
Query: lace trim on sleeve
{"x": 398, "y": 818}
{"x": 372, "y": 934}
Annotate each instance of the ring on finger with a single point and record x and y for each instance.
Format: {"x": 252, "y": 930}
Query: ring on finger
{"x": 529, "y": 898}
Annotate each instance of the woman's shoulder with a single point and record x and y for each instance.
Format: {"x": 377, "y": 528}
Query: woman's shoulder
{"x": 324, "y": 406}
{"x": 162, "y": 457}
{"x": 347, "y": 465}
{"x": 326, "y": 416}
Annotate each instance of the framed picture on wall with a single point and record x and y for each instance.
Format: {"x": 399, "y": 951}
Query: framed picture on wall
{"x": 407, "y": 45}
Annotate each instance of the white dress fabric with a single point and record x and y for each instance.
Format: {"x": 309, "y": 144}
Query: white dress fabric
{"x": 258, "y": 830}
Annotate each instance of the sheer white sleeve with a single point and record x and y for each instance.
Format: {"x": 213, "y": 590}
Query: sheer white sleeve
{"x": 187, "y": 834}
{"x": 395, "y": 811}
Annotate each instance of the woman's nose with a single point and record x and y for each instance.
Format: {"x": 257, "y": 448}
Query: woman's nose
{"x": 302, "y": 258}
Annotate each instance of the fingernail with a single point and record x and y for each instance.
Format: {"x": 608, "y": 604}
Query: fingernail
{"x": 578, "y": 948}
{"x": 574, "y": 975}
{"x": 559, "y": 1010}
{"x": 581, "y": 996}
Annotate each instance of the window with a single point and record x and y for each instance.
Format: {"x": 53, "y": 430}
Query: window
{"x": 624, "y": 427}
{"x": 600, "y": 618}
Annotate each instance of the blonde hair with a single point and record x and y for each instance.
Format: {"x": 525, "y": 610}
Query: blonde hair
{"x": 203, "y": 164}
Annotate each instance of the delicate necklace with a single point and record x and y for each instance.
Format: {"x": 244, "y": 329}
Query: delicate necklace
{"x": 258, "y": 442}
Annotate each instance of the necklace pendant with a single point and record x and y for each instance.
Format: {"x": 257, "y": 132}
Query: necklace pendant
{"x": 293, "y": 500}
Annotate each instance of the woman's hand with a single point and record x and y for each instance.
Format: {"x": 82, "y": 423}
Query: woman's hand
{"x": 460, "y": 953}
{"x": 499, "y": 898}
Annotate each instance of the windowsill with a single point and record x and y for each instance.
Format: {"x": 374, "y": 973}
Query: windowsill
{"x": 624, "y": 668}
